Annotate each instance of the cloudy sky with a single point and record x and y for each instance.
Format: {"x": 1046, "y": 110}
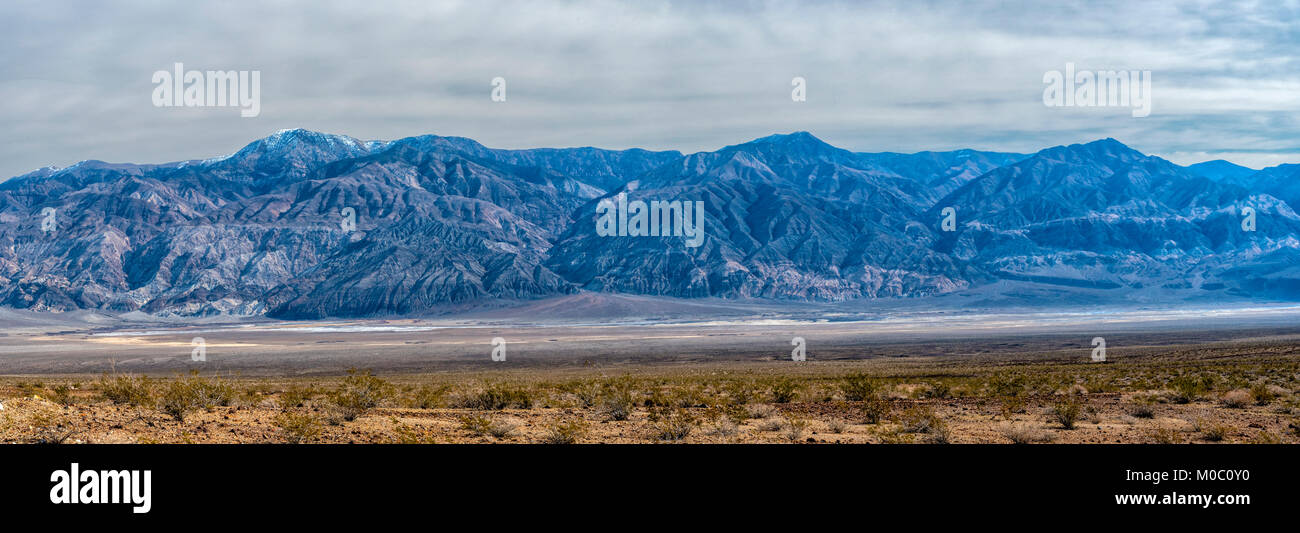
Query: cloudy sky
{"x": 75, "y": 77}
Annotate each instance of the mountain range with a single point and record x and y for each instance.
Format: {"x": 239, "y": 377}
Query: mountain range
{"x": 303, "y": 224}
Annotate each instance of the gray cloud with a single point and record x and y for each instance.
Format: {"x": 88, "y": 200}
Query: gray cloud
{"x": 901, "y": 76}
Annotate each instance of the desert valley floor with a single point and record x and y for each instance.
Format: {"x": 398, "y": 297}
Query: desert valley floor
{"x": 1195, "y": 376}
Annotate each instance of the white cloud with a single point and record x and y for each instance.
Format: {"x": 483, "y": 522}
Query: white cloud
{"x": 899, "y": 76}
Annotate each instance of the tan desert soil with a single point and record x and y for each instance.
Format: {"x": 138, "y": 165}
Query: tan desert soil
{"x": 957, "y": 392}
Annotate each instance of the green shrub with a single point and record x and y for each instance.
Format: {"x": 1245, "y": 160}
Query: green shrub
{"x": 672, "y": 424}
{"x": 875, "y": 408}
{"x": 359, "y": 392}
{"x": 1263, "y": 394}
{"x": 1215, "y": 432}
{"x": 1066, "y": 411}
{"x": 427, "y": 397}
{"x": 498, "y": 397}
{"x": 186, "y": 394}
{"x": 617, "y": 404}
{"x": 1188, "y": 389}
{"x": 296, "y": 396}
{"x": 937, "y": 390}
{"x": 127, "y": 390}
{"x": 565, "y": 432}
{"x": 1141, "y": 410}
{"x": 858, "y": 387}
{"x": 297, "y": 428}
{"x": 784, "y": 390}
{"x": 62, "y": 395}
{"x": 920, "y": 419}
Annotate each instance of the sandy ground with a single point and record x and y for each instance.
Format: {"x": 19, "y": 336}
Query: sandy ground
{"x": 935, "y": 378}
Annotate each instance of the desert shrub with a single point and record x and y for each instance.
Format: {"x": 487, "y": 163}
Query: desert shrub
{"x": 1010, "y": 405}
{"x": 940, "y": 434}
{"x": 211, "y": 392}
{"x": 857, "y": 387}
{"x": 1164, "y": 435}
{"x": 937, "y": 389}
{"x": 30, "y": 388}
{"x": 502, "y": 428}
{"x": 297, "y": 428}
{"x": 735, "y": 413}
{"x": 1215, "y": 432}
{"x": 672, "y": 424}
{"x": 497, "y": 397}
{"x": 565, "y": 432}
{"x": 127, "y": 390}
{"x": 784, "y": 390}
{"x": 404, "y": 433}
{"x": 837, "y": 426}
{"x": 177, "y": 400}
{"x": 359, "y": 392}
{"x": 296, "y": 396}
{"x": 1142, "y": 410}
{"x": 1187, "y": 389}
{"x": 919, "y": 419}
{"x": 770, "y": 424}
{"x": 794, "y": 428}
{"x": 895, "y": 436}
{"x": 1265, "y": 437}
{"x": 481, "y": 425}
{"x": 1023, "y": 433}
{"x": 1066, "y": 411}
{"x": 1263, "y": 394}
{"x": 62, "y": 395}
{"x": 476, "y": 424}
{"x": 760, "y": 411}
{"x": 587, "y": 392}
{"x": 252, "y": 396}
{"x": 740, "y": 392}
{"x": 875, "y": 408}
{"x": 427, "y": 396}
{"x": 1237, "y": 398}
{"x": 186, "y": 394}
{"x": 1004, "y": 384}
{"x": 725, "y": 427}
{"x": 617, "y": 404}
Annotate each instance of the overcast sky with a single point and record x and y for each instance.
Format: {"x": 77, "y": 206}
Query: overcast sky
{"x": 75, "y": 77}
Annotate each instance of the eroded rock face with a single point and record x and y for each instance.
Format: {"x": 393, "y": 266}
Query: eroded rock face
{"x": 304, "y": 224}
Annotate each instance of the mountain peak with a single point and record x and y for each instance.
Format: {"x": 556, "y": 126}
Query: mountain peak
{"x": 1107, "y": 148}
{"x": 792, "y": 138}
{"x": 799, "y": 143}
{"x": 300, "y": 136}
{"x": 299, "y": 140}
{"x": 1220, "y": 169}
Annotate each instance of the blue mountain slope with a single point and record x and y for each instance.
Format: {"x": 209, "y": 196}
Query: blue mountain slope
{"x": 443, "y": 221}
